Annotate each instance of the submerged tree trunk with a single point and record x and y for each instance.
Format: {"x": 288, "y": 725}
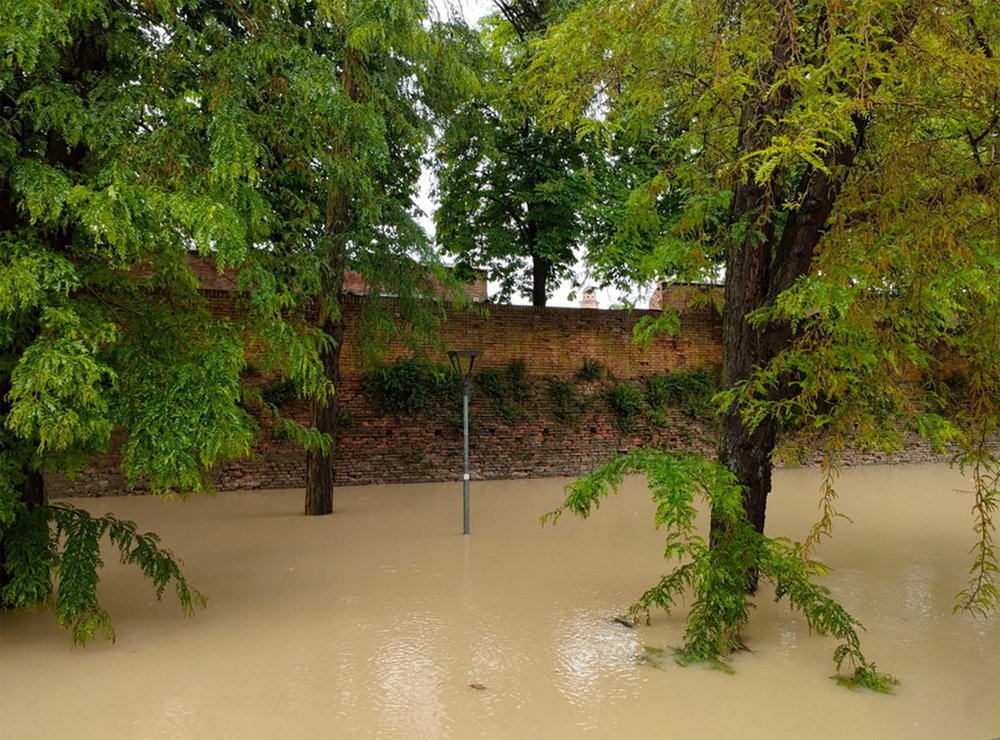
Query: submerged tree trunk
{"x": 323, "y": 413}
{"x": 767, "y": 262}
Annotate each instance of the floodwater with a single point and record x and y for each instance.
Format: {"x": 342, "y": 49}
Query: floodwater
{"x": 376, "y": 622}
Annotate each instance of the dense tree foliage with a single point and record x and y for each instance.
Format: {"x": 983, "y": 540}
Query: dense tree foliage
{"x": 389, "y": 74}
{"x": 838, "y": 162}
{"x": 513, "y": 195}
{"x": 532, "y": 204}
{"x": 282, "y": 139}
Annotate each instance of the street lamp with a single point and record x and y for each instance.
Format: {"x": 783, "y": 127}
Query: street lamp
{"x": 458, "y": 361}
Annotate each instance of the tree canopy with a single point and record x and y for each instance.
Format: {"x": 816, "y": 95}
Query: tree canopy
{"x": 284, "y": 140}
{"x": 530, "y": 203}
{"x": 837, "y": 163}
{"x": 513, "y": 195}
{"x": 834, "y": 160}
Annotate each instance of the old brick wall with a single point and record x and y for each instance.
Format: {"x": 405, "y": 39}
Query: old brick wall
{"x": 527, "y": 439}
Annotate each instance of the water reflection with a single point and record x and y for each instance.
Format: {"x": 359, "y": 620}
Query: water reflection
{"x": 597, "y": 662}
{"x": 409, "y": 680}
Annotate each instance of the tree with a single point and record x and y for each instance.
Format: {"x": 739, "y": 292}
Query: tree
{"x": 530, "y": 202}
{"x": 111, "y": 174}
{"x": 514, "y": 195}
{"x": 283, "y": 140}
{"x": 839, "y": 162}
{"x": 386, "y": 76}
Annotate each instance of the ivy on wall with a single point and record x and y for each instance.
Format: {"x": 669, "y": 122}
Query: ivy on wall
{"x": 410, "y": 386}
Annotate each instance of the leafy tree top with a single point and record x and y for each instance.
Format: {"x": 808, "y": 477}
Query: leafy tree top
{"x": 838, "y": 162}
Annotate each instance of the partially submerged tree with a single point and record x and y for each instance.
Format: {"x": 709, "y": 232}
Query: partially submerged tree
{"x": 839, "y": 162}
{"x": 283, "y": 140}
{"x": 383, "y": 75}
{"x": 110, "y": 171}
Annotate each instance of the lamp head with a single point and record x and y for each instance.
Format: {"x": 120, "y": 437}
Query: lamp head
{"x": 463, "y": 360}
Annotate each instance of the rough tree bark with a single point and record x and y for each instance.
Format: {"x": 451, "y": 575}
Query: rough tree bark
{"x": 323, "y": 414}
{"x": 763, "y": 265}
{"x": 541, "y": 267}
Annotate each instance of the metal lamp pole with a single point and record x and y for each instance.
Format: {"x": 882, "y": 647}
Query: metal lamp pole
{"x": 458, "y": 358}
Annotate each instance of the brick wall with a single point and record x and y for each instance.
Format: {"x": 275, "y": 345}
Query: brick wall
{"x": 553, "y": 343}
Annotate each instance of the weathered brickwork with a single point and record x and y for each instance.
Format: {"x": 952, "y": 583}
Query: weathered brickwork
{"x": 531, "y": 442}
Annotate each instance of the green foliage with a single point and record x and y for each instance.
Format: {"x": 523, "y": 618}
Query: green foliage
{"x": 517, "y": 379}
{"x": 981, "y": 595}
{"x": 720, "y": 575}
{"x": 410, "y": 386}
{"x": 54, "y": 555}
{"x": 278, "y": 392}
{"x": 649, "y": 328}
{"x": 491, "y": 382}
{"x": 513, "y": 194}
{"x": 507, "y": 388}
{"x": 591, "y": 370}
{"x": 835, "y": 165}
{"x": 566, "y": 404}
{"x": 626, "y": 402}
{"x": 137, "y": 141}
{"x": 690, "y": 392}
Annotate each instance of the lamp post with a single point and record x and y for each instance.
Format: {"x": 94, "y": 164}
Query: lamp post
{"x": 458, "y": 359}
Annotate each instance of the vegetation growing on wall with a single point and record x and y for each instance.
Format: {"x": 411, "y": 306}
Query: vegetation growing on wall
{"x": 278, "y": 392}
{"x": 627, "y": 404}
{"x": 517, "y": 379}
{"x": 691, "y": 392}
{"x": 591, "y": 370}
{"x": 566, "y": 403}
{"x": 507, "y": 388}
{"x": 410, "y": 386}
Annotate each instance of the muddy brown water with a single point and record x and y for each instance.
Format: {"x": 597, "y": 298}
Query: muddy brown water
{"x": 375, "y": 622}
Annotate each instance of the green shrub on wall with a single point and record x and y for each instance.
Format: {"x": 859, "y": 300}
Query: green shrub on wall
{"x": 506, "y": 388}
{"x": 591, "y": 369}
{"x": 409, "y": 386}
{"x": 627, "y": 404}
{"x": 278, "y": 392}
{"x": 566, "y": 405}
{"x": 690, "y": 392}
{"x": 517, "y": 379}
{"x": 491, "y": 382}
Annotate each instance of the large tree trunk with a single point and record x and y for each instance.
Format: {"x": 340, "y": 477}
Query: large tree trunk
{"x": 541, "y": 268}
{"x": 756, "y": 273}
{"x": 746, "y": 453}
{"x": 320, "y": 470}
{"x": 763, "y": 265}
